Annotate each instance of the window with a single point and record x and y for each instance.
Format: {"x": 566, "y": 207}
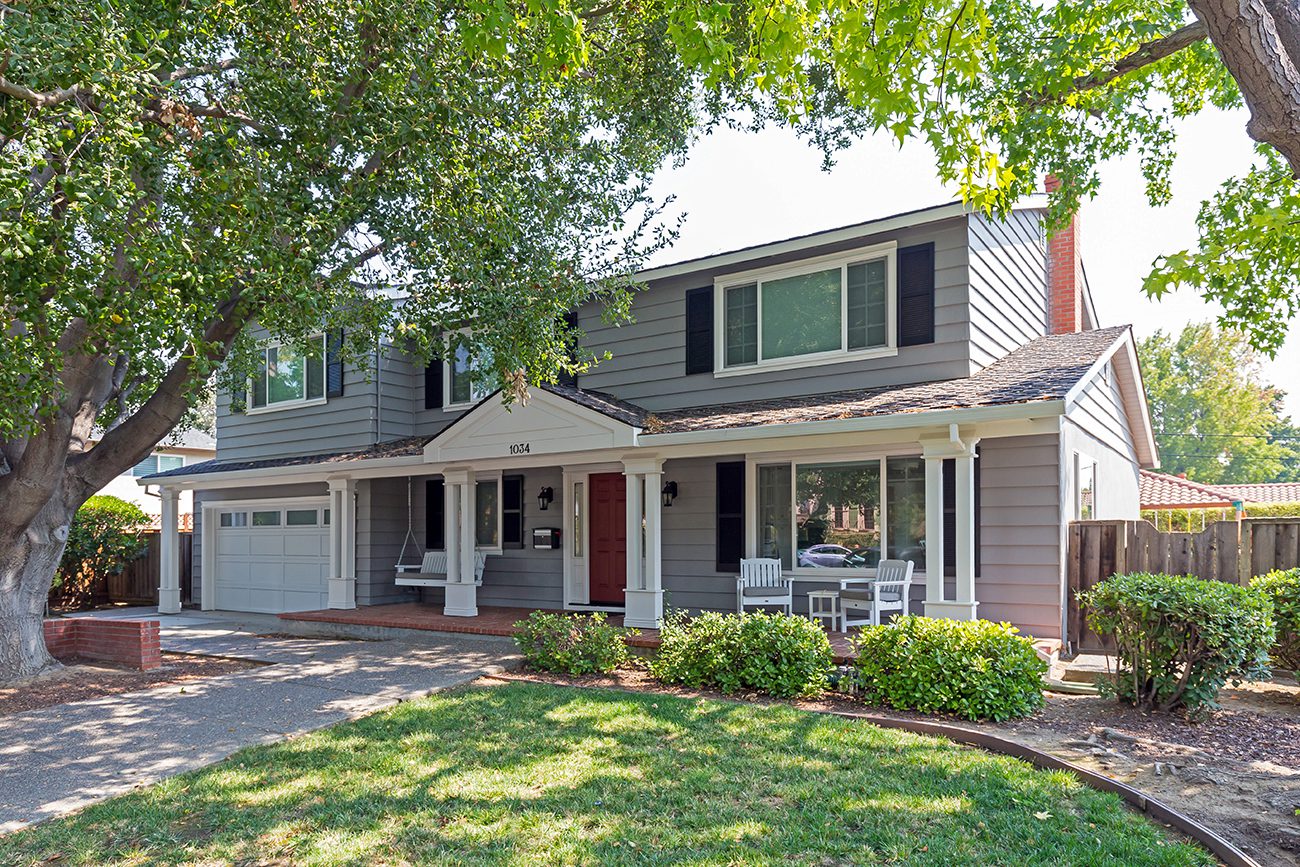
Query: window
{"x": 234, "y": 519}
{"x": 465, "y": 384}
{"x": 157, "y": 464}
{"x": 285, "y": 376}
{"x": 905, "y": 521}
{"x": 814, "y": 315}
{"x": 579, "y": 503}
{"x": 487, "y": 517}
{"x": 266, "y": 519}
{"x": 300, "y": 518}
{"x": 1085, "y": 488}
{"x": 774, "y": 521}
{"x": 512, "y": 511}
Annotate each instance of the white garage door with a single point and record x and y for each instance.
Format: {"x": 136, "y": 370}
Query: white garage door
{"x": 272, "y": 558}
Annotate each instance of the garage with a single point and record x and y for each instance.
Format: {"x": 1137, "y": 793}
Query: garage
{"x": 271, "y": 557}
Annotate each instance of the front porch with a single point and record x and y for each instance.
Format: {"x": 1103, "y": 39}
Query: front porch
{"x": 491, "y": 620}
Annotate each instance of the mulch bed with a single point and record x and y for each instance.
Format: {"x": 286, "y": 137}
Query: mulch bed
{"x": 82, "y": 679}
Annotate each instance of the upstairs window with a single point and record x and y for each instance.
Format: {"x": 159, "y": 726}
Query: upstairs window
{"x": 466, "y": 383}
{"x": 808, "y": 315}
{"x": 157, "y": 464}
{"x": 286, "y": 376}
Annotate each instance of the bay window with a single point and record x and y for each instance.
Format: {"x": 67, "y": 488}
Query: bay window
{"x": 816, "y": 313}
{"x": 287, "y": 376}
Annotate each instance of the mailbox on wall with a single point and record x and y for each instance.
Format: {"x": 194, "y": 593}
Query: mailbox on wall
{"x": 546, "y": 537}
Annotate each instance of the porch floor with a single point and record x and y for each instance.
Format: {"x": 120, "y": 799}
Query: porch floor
{"x": 491, "y": 620}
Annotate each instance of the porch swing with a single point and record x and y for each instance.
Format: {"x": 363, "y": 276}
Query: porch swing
{"x": 432, "y": 568}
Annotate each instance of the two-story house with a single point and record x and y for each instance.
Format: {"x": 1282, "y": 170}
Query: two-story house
{"x": 930, "y": 386}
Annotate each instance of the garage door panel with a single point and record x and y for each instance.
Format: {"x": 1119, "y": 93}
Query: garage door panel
{"x": 266, "y": 543}
{"x": 232, "y": 543}
{"x": 304, "y": 545}
{"x": 271, "y": 569}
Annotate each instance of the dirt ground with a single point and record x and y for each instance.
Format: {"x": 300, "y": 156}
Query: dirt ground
{"x": 1237, "y": 772}
{"x": 81, "y": 679}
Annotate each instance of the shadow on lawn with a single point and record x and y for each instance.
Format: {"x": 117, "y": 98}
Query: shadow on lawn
{"x": 518, "y": 774}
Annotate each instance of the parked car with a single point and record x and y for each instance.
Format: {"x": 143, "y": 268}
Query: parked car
{"x": 823, "y": 555}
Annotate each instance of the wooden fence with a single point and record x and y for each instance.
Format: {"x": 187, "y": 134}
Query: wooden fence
{"x": 136, "y": 584}
{"x": 1225, "y": 551}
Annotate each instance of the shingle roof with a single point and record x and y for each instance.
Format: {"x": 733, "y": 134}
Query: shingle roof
{"x": 1042, "y": 370}
{"x": 1264, "y": 494}
{"x": 1161, "y": 491}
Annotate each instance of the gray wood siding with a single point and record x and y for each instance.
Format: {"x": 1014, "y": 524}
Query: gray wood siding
{"x": 1008, "y": 284}
{"x": 525, "y": 576}
{"x": 691, "y": 579}
{"x": 1098, "y": 427}
{"x": 1020, "y": 533}
{"x": 381, "y": 530}
{"x": 1099, "y": 411}
{"x": 649, "y": 355}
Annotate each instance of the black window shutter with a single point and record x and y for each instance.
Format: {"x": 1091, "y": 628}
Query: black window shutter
{"x": 916, "y": 295}
{"x": 512, "y": 511}
{"x": 435, "y": 512}
{"x": 334, "y": 365}
{"x": 566, "y": 378}
{"x": 433, "y": 384}
{"x": 731, "y": 515}
{"x": 950, "y": 516}
{"x": 699, "y": 330}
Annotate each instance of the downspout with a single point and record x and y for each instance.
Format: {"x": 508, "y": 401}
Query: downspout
{"x": 379, "y": 389}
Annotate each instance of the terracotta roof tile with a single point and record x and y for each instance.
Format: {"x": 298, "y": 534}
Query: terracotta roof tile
{"x": 1161, "y": 491}
{"x": 1264, "y": 494}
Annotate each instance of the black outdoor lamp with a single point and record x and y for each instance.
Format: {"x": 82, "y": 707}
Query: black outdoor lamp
{"x": 544, "y": 498}
{"x": 670, "y": 493}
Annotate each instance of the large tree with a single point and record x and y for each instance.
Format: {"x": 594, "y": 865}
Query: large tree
{"x": 1215, "y": 418}
{"x": 171, "y": 172}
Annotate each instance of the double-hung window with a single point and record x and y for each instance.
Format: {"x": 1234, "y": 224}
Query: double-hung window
{"x": 286, "y": 376}
{"x": 157, "y": 464}
{"x": 466, "y": 383}
{"x": 817, "y": 312}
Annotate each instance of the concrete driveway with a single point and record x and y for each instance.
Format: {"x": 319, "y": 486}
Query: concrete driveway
{"x": 61, "y": 758}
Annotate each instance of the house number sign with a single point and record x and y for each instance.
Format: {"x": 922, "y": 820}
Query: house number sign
{"x": 521, "y": 448}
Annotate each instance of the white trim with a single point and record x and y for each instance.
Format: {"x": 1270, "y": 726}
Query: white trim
{"x": 887, "y": 252}
{"x": 1128, "y": 369}
{"x": 303, "y": 401}
{"x": 448, "y": 365}
{"x": 918, "y": 217}
{"x": 208, "y": 536}
{"x": 283, "y": 405}
{"x": 489, "y": 476}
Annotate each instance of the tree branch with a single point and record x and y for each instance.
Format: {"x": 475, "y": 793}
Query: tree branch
{"x": 182, "y": 73}
{"x": 1144, "y": 55}
{"x": 39, "y": 99}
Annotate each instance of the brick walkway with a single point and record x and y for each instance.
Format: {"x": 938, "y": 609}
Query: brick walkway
{"x": 491, "y": 620}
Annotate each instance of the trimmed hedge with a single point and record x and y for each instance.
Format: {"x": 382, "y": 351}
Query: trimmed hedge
{"x": 972, "y": 669}
{"x": 1282, "y": 587}
{"x": 572, "y": 643}
{"x": 1179, "y": 639}
{"x": 777, "y": 654}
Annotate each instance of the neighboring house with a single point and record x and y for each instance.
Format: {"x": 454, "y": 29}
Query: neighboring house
{"x": 1161, "y": 492}
{"x": 181, "y": 450}
{"x": 930, "y": 385}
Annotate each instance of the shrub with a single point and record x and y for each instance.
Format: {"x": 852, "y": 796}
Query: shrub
{"x": 1179, "y": 639}
{"x": 1282, "y": 587}
{"x": 776, "y": 654}
{"x": 973, "y": 669}
{"x": 572, "y": 643}
{"x": 104, "y": 536}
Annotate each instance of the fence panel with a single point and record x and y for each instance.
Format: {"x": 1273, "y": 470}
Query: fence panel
{"x": 1224, "y": 551}
{"x": 137, "y": 583}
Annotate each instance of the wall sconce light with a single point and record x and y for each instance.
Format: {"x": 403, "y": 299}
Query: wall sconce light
{"x": 544, "y": 498}
{"x": 670, "y": 493}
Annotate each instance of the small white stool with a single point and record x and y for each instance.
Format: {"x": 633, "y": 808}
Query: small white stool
{"x": 824, "y": 604}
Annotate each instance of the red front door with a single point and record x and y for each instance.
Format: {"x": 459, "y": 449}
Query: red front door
{"x": 608, "y": 510}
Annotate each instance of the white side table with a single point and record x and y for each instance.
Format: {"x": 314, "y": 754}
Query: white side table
{"x": 823, "y": 605}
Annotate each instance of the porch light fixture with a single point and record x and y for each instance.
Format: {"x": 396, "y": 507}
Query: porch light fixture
{"x": 670, "y": 493}
{"x": 544, "y": 498}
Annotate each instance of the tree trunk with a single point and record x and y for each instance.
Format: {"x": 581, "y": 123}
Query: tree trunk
{"x": 1259, "y": 41}
{"x": 27, "y": 566}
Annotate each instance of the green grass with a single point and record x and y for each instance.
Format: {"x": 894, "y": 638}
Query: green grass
{"x": 532, "y": 774}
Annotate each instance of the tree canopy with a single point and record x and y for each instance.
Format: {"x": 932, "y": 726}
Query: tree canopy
{"x": 1215, "y": 418}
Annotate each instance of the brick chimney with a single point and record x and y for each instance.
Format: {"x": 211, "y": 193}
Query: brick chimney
{"x": 1064, "y": 275}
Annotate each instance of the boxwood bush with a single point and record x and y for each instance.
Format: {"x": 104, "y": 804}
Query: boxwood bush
{"x": 1282, "y": 587}
{"x": 973, "y": 669}
{"x": 776, "y": 654}
{"x": 572, "y": 643}
{"x": 1179, "y": 639}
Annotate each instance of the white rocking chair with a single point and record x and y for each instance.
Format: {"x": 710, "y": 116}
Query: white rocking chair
{"x": 432, "y": 571}
{"x": 889, "y": 591}
{"x": 761, "y": 583}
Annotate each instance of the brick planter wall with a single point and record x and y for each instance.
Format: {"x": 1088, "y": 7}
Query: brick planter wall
{"x": 133, "y": 643}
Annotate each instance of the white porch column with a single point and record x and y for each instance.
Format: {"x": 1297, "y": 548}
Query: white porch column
{"x": 645, "y": 595}
{"x": 169, "y": 585}
{"x": 462, "y": 592}
{"x": 959, "y": 446}
{"x": 343, "y": 543}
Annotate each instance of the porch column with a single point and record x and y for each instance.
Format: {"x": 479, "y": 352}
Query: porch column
{"x": 169, "y": 585}
{"x": 462, "y": 592}
{"x": 343, "y": 543}
{"x": 957, "y": 445}
{"x": 645, "y": 595}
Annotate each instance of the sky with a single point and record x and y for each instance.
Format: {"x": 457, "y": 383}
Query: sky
{"x": 737, "y": 189}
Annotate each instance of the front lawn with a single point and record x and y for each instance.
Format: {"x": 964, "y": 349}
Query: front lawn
{"x": 533, "y": 774}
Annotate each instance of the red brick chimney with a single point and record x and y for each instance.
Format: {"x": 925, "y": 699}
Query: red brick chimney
{"x": 1064, "y": 275}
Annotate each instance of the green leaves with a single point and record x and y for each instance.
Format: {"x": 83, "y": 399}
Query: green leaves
{"x": 1282, "y": 588}
{"x": 573, "y": 644}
